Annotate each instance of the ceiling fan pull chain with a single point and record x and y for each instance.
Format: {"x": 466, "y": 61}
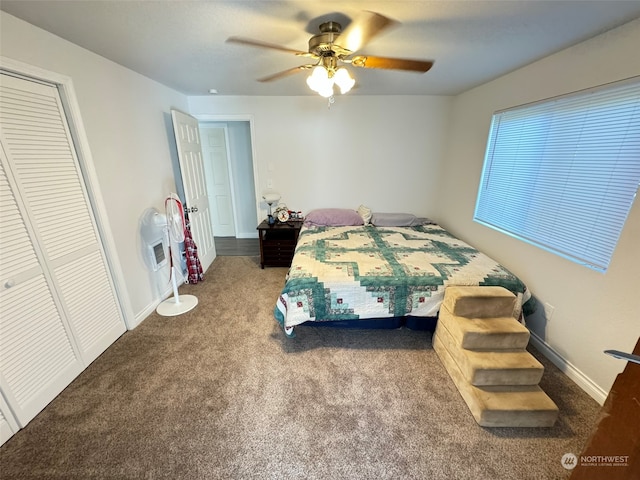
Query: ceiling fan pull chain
{"x": 330, "y": 101}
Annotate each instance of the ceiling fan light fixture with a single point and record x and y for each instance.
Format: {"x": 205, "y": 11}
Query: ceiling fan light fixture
{"x": 326, "y": 92}
{"x": 343, "y": 80}
{"x": 322, "y": 80}
{"x": 318, "y": 78}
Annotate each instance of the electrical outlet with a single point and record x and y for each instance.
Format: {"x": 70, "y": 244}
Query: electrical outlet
{"x": 548, "y": 311}
{"x": 269, "y": 183}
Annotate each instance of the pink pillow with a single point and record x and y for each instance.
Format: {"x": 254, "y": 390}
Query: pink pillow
{"x": 333, "y": 217}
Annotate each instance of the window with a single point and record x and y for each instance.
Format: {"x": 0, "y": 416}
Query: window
{"x": 562, "y": 173}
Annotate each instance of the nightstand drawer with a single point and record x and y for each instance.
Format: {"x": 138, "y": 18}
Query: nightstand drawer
{"x": 277, "y": 260}
{"x": 279, "y": 245}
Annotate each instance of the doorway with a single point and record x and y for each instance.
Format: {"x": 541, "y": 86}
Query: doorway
{"x": 230, "y": 175}
{"x": 216, "y": 153}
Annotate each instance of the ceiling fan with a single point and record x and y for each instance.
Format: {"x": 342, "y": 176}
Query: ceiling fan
{"x": 333, "y": 46}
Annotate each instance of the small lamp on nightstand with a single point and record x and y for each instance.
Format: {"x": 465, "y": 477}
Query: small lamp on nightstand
{"x": 271, "y": 197}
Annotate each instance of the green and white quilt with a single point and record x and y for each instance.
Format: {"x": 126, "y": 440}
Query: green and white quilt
{"x": 366, "y": 272}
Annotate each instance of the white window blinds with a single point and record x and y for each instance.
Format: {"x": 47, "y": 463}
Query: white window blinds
{"x": 562, "y": 174}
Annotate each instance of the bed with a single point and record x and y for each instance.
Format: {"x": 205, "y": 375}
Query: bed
{"x": 381, "y": 276}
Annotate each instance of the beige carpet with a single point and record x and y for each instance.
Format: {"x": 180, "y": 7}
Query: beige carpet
{"x": 220, "y": 393}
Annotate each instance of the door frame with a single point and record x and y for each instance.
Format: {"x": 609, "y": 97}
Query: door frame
{"x": 210, "y": 118}
{"x": 81, "y": 142}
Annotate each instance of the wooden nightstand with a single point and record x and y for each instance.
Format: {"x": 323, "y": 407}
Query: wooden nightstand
{"x": 278, "y": 242}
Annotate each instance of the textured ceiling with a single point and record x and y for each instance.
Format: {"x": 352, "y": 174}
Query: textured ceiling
{"x": 182, "y": 43}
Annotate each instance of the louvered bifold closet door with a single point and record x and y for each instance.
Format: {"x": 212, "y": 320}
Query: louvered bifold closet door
{"x": 8, "y": 424}
{"x": 37, "y": 356}
{"x": 50, "y": 192}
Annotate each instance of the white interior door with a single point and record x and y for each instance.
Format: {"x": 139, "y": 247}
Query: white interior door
{"x": 216, "y": 155}
{"x": 185, "y": 128}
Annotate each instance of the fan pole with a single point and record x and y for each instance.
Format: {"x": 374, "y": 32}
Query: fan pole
{"x": 176, "y": 305}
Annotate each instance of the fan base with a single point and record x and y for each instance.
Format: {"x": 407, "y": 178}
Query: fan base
{"x": 171, "y": 308}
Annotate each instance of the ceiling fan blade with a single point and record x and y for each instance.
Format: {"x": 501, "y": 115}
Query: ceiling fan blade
{"x": 362, "y": 29}
{"x": 367, "y": 61}
{"x": 285, "y": 73}
{"x": 259, "y": 43}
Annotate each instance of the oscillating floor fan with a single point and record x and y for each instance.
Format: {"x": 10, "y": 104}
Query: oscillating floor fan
{"x": 178, "y": 304}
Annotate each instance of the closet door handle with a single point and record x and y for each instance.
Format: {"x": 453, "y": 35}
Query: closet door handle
{"x": 9, "y": 283}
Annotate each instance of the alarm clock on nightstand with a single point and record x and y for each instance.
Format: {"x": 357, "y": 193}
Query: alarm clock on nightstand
{"x": 282, "y": 213}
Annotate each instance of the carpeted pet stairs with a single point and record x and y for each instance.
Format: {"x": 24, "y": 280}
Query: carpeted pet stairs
{"x": 483, "y": 348}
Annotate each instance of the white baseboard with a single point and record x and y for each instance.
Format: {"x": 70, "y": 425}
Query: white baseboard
{"x": 584, "y": 382}
{"x": 149, "y": 309}
{"x": 247, "y": 235}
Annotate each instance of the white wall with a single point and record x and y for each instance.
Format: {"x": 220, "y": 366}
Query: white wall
{"x": 593, "y": 311}
{"x": 127, "y": 122}
{"x": 384, "y": 152}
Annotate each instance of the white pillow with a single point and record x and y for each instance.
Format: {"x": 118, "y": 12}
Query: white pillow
{"x": 365, "y": 213}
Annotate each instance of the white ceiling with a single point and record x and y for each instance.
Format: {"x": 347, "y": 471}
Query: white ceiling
{"x": 182, "y": 43}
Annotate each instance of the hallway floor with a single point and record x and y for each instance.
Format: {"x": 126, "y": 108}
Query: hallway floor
{"x": 231, "y": 246}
